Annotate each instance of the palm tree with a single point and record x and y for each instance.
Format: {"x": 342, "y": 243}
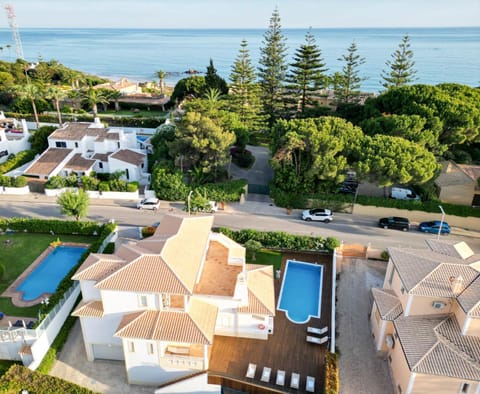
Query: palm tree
{"x": 115, "y": 95}
{"x": 161, "y": 79}
{"x": 56, "y": 94}
{"x": 29, "y": 91}
{"x": 92, "y": 97}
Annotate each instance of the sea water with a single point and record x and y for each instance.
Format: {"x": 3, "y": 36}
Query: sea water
{"x": 440, "y": 54}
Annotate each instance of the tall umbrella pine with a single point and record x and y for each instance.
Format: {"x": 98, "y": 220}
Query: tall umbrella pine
{"x": 272, "y": 69}
{"x": 307, "y": 76}
{"x": 244, "y": 95}
{"x": 401, "y": 70}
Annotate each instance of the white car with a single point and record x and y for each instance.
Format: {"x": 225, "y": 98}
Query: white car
{"x": 318, "y": 215}
{"x": 149, "y": 203}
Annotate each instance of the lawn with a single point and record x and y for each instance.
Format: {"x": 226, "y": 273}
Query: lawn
{"x": 266, "y": 257}
{"x": 18, "y": 254}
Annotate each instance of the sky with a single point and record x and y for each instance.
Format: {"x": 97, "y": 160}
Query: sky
{"x": 170, "y": 14}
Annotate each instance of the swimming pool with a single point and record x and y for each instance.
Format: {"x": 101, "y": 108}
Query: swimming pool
{"x": 301, "y": 293}
{"x": 48, "y": 274}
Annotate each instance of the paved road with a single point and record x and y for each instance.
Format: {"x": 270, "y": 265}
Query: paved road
{"x": 262, "y": 216}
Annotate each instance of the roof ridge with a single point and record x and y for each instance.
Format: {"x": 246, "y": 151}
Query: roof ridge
{"x": 195, "y": 323}
{"x": 256, "y": 296}
{"x": 125, "y": 266}
{"x": 391, "y": 296}
{"x": 425, "y": 355}
{"x": 140, "y": 313}
{"x": 452, "y": 347}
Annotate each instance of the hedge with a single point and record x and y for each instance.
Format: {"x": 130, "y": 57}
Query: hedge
{"x": 19, "y": 378}
{"x": 280, "y": 239}
{"x": 332, "y": 383}
{"x": 12, "y": 181}
{"x": 50, "y": 225}
{"x": 226, "y": 191}
{"x": 17, "y": 160}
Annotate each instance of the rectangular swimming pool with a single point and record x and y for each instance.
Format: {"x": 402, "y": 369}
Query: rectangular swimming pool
{"x": 301, "y": 293}
{"x": 48, "y": 274}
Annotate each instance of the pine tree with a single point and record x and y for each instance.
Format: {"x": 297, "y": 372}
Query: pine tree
{"x": 214, "y": 81}
{"x": 307, "y": 74}
{"x": 349, "y": 81}
{"x": 273, "y": 68}
{"x": 245, "y": 92}
{"x": 401, "y": 71}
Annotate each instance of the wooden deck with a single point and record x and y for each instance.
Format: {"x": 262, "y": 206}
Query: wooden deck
{"x": 286, "y": 349}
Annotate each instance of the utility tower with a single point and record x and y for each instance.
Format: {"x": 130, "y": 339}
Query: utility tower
{"x": 12, "y": 21}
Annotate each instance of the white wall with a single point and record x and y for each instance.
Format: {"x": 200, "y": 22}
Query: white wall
{"x": 15, "y": 190}
{"x": 89, "y": 292}
{"x": 134, "y": 172}
{"x": 116, "y": 301}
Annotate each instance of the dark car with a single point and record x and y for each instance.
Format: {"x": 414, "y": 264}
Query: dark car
{"x": 395, "y": 222}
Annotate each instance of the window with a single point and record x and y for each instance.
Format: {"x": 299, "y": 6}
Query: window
{"x": 60, "y": 144}
{"x": 76, "y": 144}
{"x": 142, "y": 301}
{"x": 402, "y": 290}
{"x": 100, "y": 164}
{"x": 131, "y": 347}
{"x": 118, "y": 145}
{"x": 127, "y": 173}
{"x": 465, "y": 388}
{"x": 390, "y": 358}
{"x": 151, "y": 349}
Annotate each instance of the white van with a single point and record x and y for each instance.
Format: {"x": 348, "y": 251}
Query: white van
{"x": 401, "y": 193}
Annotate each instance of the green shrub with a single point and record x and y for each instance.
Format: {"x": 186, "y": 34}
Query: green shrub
{"x": 110, "y": 248}
{"x": 55, "y": 182}
{"x": 280, "y": 239}
{"x": 71, "y": 180}
{"x": 20, "y": 181}
{"x": 49, "y": 226}
{"x": 332, "y": 384}
{"x": 132, "y": 187}
{"x": 148, "y": 231}
{"x": 17, "y": 160}
{"x": 384, "y": 255}
{"x": 89, "y": 182}
{"x": 19, "y": 378}
{"x": 104, "y": 186}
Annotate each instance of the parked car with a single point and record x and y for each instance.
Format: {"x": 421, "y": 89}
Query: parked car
{"x": 318, "y": 215}
{"x": 395, "y": 222}
{"x": 434, "y": 226}
{"x": 401, "y": 193}
{"x": 348, "y": 187}
{"x": 149, "y": 203}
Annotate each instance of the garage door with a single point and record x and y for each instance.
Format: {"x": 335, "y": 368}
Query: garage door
{"x": 108, "y": 352}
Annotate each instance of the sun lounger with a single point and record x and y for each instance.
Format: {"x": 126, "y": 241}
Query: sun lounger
{"x": 295, "y": 381}
{"x": 30, "y": 324}
{"x": 318, "y": 331}
{"x": 18, "y": 323}
{"x": 280, "y": 378}
{"x": 317, "y": 340}
{"x": 251, "y": 371}
{"x": 266, "y": 374}
{"x": 310, "y": 386}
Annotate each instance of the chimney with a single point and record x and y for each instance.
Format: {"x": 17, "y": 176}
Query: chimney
{"x": 456, "y": 283}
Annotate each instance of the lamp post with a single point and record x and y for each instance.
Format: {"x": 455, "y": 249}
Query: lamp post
{"x": 188, "y": 201}
{"x": 441, "y": 222}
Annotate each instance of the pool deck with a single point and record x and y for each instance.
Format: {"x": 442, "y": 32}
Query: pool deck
{"x": 17, "y": 296}
{"x": 287, "y": 349}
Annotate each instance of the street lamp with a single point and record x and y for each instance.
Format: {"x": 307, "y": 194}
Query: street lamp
{"x": 441, "y": 222}
{"x": 188, "y": 201}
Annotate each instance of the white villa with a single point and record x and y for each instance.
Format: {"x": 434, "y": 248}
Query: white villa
{"x": 158, "y": 303}
{"x": 426, "y": 318}
{"x": 82, "y": 147}
{"x": 14, "y": 136}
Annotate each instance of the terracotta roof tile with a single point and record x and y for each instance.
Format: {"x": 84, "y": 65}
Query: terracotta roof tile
{"x": 99, "y": 270}
{"x": 48, "y": 161}
{"x": 89, "y": 309}
{"x": 388, "y": 304}
{"x": 78, "y": 163}
{"x": 261, "y": 297}
{"x": 469, "y": 299}
{"x": 76, "y": 131}
{"x": 129, "y": 156}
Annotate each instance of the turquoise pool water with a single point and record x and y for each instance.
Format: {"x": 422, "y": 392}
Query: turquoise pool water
{"x": 48, "y": 274}
{"x": 301, "y": 293}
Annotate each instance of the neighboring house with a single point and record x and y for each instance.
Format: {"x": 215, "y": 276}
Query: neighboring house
{"x": 427, "y": 318}
{"x": 81, "y": 147}
{"x": 157, "y": 303}
{"x": 14, "y": 137}
{"x": 124, "y": 86}
{"x": 457, "y": 184}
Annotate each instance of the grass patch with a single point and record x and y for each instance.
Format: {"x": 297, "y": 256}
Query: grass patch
{"x": 266, "y": 257}
{"x": 16, "y": 255}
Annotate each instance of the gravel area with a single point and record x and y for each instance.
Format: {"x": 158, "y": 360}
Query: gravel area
{"x": 361, "y": 370}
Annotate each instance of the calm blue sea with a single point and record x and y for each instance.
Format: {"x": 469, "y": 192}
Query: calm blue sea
{"x": 441, "y": 54}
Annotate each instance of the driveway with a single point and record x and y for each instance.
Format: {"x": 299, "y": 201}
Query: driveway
{"x": 361, "y": 370}
{"x": 261, "y": 173}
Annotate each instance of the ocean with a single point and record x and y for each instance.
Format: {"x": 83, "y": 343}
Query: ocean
{"x": 440, "y": 54}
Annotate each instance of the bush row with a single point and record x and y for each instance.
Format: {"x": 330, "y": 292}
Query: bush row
{"x": 332, "y": 383}
{"x": 281, "y": 240}
{"x": 342, "y": 202}
{"x": 49, "y": 226}
{"x": 17, "y": 160}
{"x": 12, "y": 181}
{"x": 225, "y": 191}
{"x": 91, "y": 183}
{"x": 19, "y": 378}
